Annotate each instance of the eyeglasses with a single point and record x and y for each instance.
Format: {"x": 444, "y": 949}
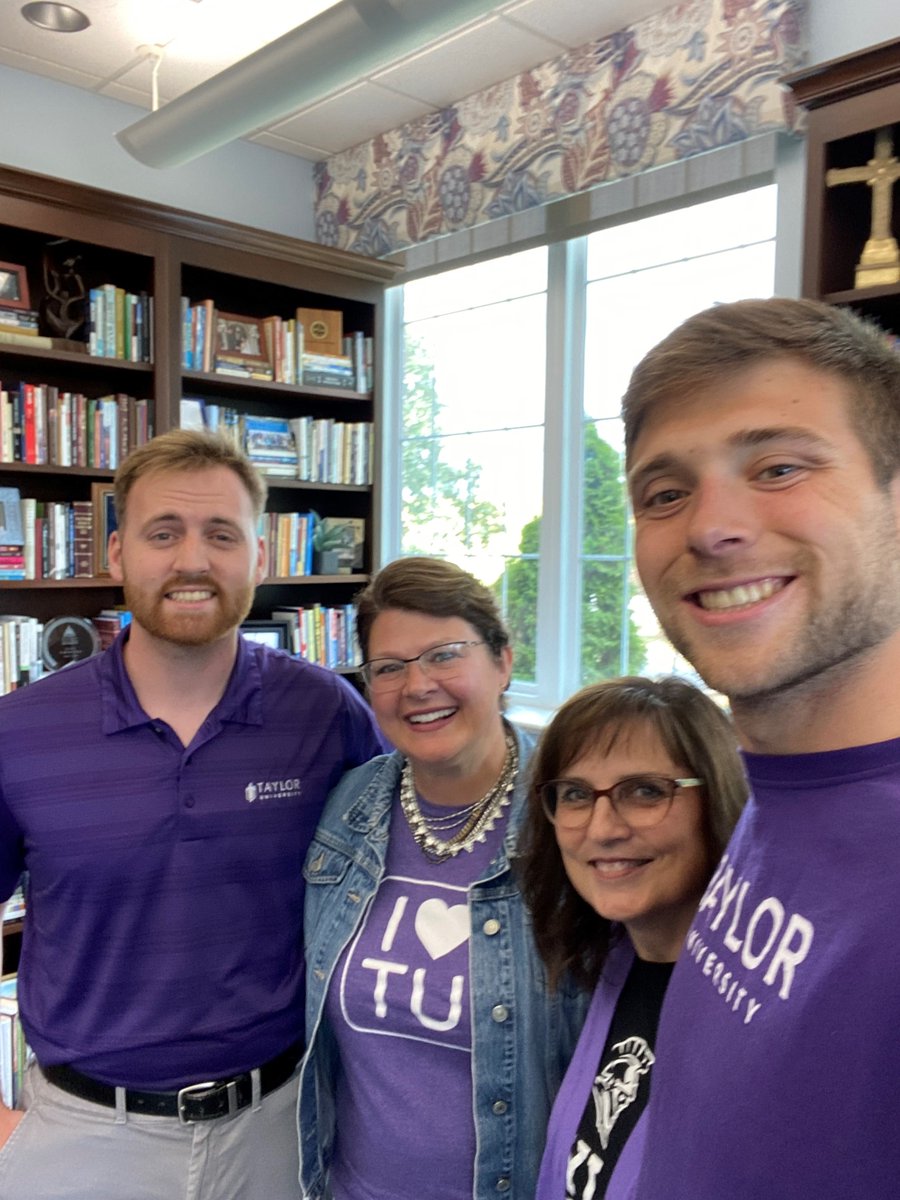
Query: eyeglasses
{"x": 641, "y": 800}
{"x": 440, "y": 662}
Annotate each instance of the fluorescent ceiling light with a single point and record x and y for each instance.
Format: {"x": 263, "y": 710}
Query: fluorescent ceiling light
{"x": 336, "y": 48}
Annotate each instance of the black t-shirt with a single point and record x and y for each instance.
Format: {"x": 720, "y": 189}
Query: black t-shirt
{"x": 622, "y": 1085}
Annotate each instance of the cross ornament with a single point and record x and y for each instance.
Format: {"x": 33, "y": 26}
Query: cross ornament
{"x": 880, "y": 259}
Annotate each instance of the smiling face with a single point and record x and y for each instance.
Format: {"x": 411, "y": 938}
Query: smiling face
{"x": 650, "y": 880}
{"x": 446, "y": 725}
{"x": 188, "y": 555}
{"x": 766, "y": 548}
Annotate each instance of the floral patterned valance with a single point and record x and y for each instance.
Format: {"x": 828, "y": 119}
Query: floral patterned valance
{"x": 696, "y": 76}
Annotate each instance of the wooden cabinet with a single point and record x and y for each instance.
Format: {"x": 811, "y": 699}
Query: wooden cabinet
{"x": 848, "y": 100}
{"x": 166, "y": 254}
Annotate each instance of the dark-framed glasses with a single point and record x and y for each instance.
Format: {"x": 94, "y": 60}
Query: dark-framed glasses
{"x": 641, "y": 800}
{"x": 438, "y": 662}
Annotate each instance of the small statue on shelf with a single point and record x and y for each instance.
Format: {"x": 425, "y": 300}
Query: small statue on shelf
{"x": 62, "y": 308}
{"x": 880, "y": 260}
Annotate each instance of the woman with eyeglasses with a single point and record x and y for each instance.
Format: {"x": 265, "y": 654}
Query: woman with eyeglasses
{"x": 434, "y": 1045}
{"x": 636, "y": 787}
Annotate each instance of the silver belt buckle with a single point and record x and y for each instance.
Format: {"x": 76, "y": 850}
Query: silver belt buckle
{"x": 194, "y": 1089}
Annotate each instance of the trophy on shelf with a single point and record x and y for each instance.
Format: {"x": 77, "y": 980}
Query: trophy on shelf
{"x": 880, "y": 260}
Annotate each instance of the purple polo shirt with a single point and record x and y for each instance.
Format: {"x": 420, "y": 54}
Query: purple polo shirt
{"x": 163, "y": 942}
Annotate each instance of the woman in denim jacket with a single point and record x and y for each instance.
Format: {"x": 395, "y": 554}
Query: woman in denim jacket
{"x": 434, "y": 1047}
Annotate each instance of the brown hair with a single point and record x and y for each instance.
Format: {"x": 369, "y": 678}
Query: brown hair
{"x": 187, "y": 450}
{"x": 729, "y": 338}
{"x": 434, "y": 587}
{"x": 570, "y": 935}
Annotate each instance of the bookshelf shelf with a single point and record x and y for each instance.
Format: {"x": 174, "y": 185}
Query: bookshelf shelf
{"x": 235, "y": 384}
{"x": 165, "y": 254}
{"x": 70, "y": 584}
{"x": 305, "y": 485}
{"x": 315, "y": 580}
{"x": 12, "y": 351}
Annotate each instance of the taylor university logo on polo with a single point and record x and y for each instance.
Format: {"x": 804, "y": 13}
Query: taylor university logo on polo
{"x": 406, "y": 973}
{"x": 759, "y": 946}
{"x": 261, "y": 790}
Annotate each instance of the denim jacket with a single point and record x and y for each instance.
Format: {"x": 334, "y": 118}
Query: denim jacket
{"x": 522, "y": 1037}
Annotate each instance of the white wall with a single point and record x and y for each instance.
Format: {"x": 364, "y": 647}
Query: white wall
{"x": 54, "y": 129}
{"x": 838, "y": 27}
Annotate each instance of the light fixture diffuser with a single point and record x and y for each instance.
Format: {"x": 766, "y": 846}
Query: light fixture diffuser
{"x": 336, "y": 48}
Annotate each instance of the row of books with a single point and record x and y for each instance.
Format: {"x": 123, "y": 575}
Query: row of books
{"x": 289, "y": 543}
{"x": 321, "y": 634}
{"x": 274, "y": 348}
{"x": 41, "y": 424}
{"x": 303, "y": 543}
{"x": 20, "y": 653}
{"x": 120, "y": 324}
{"x": 22, "y": 322}
{"x": 45, "y": 539}
{"x": 14, "y": 1052}
{"x": 330, "y": 451}
{"x": 313, "y": 449}
{"x": 15, "y": 905}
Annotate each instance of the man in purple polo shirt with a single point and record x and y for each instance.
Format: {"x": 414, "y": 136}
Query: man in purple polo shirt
{"x": 161, "y": 797}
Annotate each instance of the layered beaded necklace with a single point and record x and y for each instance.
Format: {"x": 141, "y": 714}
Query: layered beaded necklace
{"x": 466, "y": 826}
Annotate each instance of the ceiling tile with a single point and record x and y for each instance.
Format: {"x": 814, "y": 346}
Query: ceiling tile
{"x": 574, "y": 22}
{"x": 284, "y": 146}
{"x": 466, "y": 62}
{"x": 351, "y": 117}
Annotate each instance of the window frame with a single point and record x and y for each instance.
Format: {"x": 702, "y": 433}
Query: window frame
{"x": 558, "y": 627}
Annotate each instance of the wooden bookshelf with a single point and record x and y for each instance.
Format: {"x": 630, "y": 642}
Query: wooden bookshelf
{"x": 847, "y": 100}
{"x": 167, "y": 254}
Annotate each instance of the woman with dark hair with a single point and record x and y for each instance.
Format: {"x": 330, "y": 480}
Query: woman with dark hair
{"x": 636, "y": 787}
{"x": 434, "y": 1044}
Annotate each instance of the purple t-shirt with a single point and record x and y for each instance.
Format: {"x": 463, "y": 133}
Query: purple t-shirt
{"x": 398, "y": 1006}
{"x": 163, "y": 941}
{"x": 778, "y": 1060}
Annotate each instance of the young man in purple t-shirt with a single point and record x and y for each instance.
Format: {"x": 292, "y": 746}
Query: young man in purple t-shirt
{"x": 161, "y": 797}
{"x": 763, "y": 449}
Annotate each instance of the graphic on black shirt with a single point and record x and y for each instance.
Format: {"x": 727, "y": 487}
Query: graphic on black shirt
{"x": 622, "y": 1085}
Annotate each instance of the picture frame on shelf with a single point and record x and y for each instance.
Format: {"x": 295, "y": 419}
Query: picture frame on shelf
{"x": 275, "y": 634}
{"x": 104, "y": 514}
{"x": 13, "y": 286}
{"x": 240, "y": 339}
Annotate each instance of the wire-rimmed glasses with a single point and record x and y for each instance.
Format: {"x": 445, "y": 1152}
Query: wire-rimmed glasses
{"x": 438, "y": 662}
{"x": 641, "y": 800}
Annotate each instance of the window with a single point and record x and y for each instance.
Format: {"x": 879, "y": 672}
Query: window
{"x": 473, "y": 426}
{"x": 511, "y": 442}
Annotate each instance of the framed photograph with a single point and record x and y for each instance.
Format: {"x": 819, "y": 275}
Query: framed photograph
{"x": 104, "y": 513}
{"x": 13, "y": 286}
{"x": 275, "y": 634}
{"x": 240, "y": 339}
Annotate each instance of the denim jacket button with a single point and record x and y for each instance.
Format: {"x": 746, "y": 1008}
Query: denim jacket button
{"x": 491, "y": 926}
{"x": 499, "y": 1013}
{"x": 499, "y": 1107}
{"x": 503, "y": 1184}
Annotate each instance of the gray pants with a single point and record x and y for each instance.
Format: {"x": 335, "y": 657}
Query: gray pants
{"x": 65, "y": 1148}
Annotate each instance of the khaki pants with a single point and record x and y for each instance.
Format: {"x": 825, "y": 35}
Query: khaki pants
{"x": 65, "y": 1148}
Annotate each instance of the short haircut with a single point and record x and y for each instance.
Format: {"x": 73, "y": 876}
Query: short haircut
{"x": 436, "y": 588}
{"x": 729, "y": 338}
{"x": 187, "y": 450}
{"x": 571, "y": 937}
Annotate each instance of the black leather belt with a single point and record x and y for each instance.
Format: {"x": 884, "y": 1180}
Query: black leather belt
{"x": 194, "y": 1102}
